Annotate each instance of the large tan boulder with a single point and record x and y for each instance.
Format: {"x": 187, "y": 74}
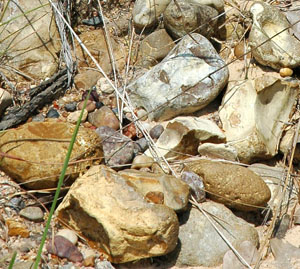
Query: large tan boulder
{"x": 38, "y": 150}
{"x": 29, "y": 39}
{"x": 174, "y": 191}
{"x": 106, "y": 209}
{"x": 232, "y": 185}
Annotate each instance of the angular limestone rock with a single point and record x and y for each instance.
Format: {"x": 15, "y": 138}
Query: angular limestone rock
{"x": 282, "y": 50}
{"x": 176, "y": 193}
{"x": 38, "y": 150}
{"x": 107, "y": 210}
{"x": 183, "y": 135}
{"x": 218, "y": 151}
{"x": 232, "y": 185}
{"x": 253, "y": 114}
{"x": 184, "y": 82}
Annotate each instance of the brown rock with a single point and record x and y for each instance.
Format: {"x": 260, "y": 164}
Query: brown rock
{"x": 39, "y": 150}
{"x": 16, "y": 228}
{"x": 105, "y": 208}
{"x": 232, "y": 185}
{"x": 176, "y": 192}
{"x": 142, "y": 161}
{"x": 104, "y": 117}
{"x": 90, "y": 105}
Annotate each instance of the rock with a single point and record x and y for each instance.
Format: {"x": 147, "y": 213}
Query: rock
{"x": 43, "y": 147}
{"x": 104, "y": 117}
{"x": 183, "y": 17}
{"x": 90, "y": 105}
{"x": 74, "y": 116}
{"x": 118, "y": 149}
{"x": 16, "y": 228}
{"x": 282, "y": 50}
{"x": 156, "y": 131}
{"x": 17, "y": 203}
{"x": 104, "y": 265}
{"x": 33, "y": 54}
{"x": 297, "y": 217}
{"x": 120, "y": 26}
{"x": 105, "y": 87}
{"x": 146, "y": 14}
{"x": 154, "y": 48}
{"x": 141, "y": 161}
{"x": 282, "y": 226}
{"x": 175, "y": 192}
{"x": 33, "y": 213}
{"x": 247, "y": 250}
{"x": 71, "y": 107}
{"x": 256, "y": 137}
{"x": 218, "y": 151}
{"x": 38, "y": 118}
{"x": 233, "y": 185}
{"x": 285, "y": 72}
{"x": 208, "y": 248}
{"x": 52, "y": 113}
{"x": 5, "y": 100}
{"x": 116, "y": 219}
{"x": 89, "y": 261}
{"x": 183, "y": 82}
{"x": 95, "y": 42}
{"x": 196, "y": 184}
{"x": 23, "y": 265}
{"x": 63, "y": 248}
{"x": 68, "y": 234}
{"x": 183, "y": 135}
{"x": 141, "y": 145}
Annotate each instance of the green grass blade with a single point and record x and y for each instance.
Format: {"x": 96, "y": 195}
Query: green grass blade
{"x": 59, "y": 184}
{"x": 12, "y": 261}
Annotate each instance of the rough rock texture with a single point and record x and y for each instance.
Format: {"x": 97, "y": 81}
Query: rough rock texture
{"x": 233, "y": 185}
{"x": 146, "y": 13}
{"x": 106, "y": 209}
{"x": 40, "y": 149}
{"x": 154, "y": 48}
{"x": 183, "y": 134}
{"x": 176, "y": 193}
{"x": 5, "y": 100}
{"x": 253, "y": 135}
{"x": 118, "y": 149}
{"x": 104, "y": 117}
{"x": 30, "y": 42}
{"x": 284, "y": 49}
{"x": 190, "y": 17}
{"x": 183, "y": 82}
{"x": 201, "y": 245}
{"x": 218, "y": 151}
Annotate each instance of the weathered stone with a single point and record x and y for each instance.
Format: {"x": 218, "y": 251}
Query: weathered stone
{"x": 196, "y": 184}
{"x": 33, "y": 213}
{"x": 282, "y": 50}
{"x": 184, "y": 82}
{"x": 154, "y": 48}
{"x": 73, "y": 117}
{"x": 5, "y": 100}
{"x": 183, "y": 17}
{"x": 156, "y": 131}
{"x": 16, "y": 228}
{"x": 218, "y": 151}
{"x": 146, "y": 13}
{"x": 176, "y": 192}
{"x": 104, "y": 117}
{"x": 39, "y": 150}
{"x": 106, "y": 209}
{"x": 118, "y": 149}
{"x": 201, "y": 245}
{"x": 142, "y": 161}
{"x": 183, "y": 135}
{"x": 244, "y": 105}
{"x": 232, "y": 185}
{"x": 68, "y": 234}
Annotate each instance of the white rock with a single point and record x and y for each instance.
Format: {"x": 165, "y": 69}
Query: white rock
{"x": 68, "y": 234}
{"x": 219, "y": 151}
{"x": 74, "y": 116}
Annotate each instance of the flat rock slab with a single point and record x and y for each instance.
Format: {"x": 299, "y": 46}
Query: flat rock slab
{"x": 184, "y": 82}
{"x": 107, "y": 210}
{"x": 175, "y": 192}
{"x": 232, "y": 185}
{"x": 38, "y": 150}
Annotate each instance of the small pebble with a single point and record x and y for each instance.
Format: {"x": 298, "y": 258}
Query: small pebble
{"x": 142, "y": 161}
{"x": 52, "y": 113}
{"x": 99, "y": 105}
{"x": 94, "y": 96}
{"x": 89, "y": 261}
{"x": 286, "y": 72}
{"x": 196, "y": 184}
{"x": 32, "y": 213}
{"x": 38, "y": 118}
{"x": 71, "y": 107}
{"x": 142, "y": 114}
{"x": 24, "y": 248}
{"x": 17, "y": 203}
{"x": 90, "y": 105}
{"x": 297, "y": 217}
{"x": 69, "y": 234}
{"x": 105, "y": 87}
{"x": 104, "y": 117}
{"x": 74, "y": 116}
{"x": 141, "y": 145}
{"x": 156, "y": 131}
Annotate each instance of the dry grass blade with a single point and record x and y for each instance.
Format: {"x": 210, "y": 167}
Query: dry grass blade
{"x": 243, "y": 261}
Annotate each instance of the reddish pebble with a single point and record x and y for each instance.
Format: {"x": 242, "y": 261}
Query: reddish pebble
{"x": 90, "y": 105}
{"x": 104, "y": 117}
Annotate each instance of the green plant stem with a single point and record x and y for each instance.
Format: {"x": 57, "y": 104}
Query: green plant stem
{"x": 59, "y": 184}
{"x": 12, "y": 261}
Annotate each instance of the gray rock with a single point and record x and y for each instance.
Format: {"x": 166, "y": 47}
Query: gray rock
{"x": 70, "y": 107}
{"x": 284, "y": 49}
{"x": 118, "y": 149}
{"x": 247, "y": 250}
{"x": 196, "y": 184}
{"x": 141, "y": 145}
{"x": 201, "y": 245}
{"x": 156, "y": 131}
{"x": 191, "y": 17}
{"x": 38, "y": 118}
{"x": 32, "y": 213}
{"x": 184, "y": 82}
